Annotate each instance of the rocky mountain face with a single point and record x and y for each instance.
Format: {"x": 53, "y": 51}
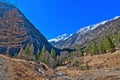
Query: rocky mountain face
{"x": 90, "y": 33}
{"x": 16, "y": 31}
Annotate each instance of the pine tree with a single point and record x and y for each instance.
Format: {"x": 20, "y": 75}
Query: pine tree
{"x": 108, "y": 44}
{"x": 42, "y": 56}
{"x": 43, "y": 49}
{"x": 93, "y": 48}
{"x": 42, "y": 53}
{"x": 27, "y": 50}
{"x": 58, "y": 61}
{"x": 53, "y": 54}
{"x": 101, "y": 47}
{"x": 115, "y": 39}
{"x": 81, "y": 51}
{"x": 37, "y": 56}
{"x": 46, "y": 57}
{"x": 112, "y": 46}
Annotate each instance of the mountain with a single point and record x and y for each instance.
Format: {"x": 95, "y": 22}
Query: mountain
{"x": 59, "y": 38}
{"x": 92, "y": 32}
{"x": 16, "y": 31}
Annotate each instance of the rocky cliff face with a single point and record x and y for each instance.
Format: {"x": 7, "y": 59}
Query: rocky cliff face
{"x": 16, "y": 31}
{"x": 90, "y": 33}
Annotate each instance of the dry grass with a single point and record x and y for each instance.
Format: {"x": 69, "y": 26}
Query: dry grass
{"x": 102, "y": 67}
{"x": 99, "y": 66}
{"x": 21, "y": 69}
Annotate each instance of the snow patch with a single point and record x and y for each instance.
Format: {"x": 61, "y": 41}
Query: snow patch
{"x": 90, "y": 27}
{"x": 60, "y": 37}
{"x": 116, "y": 17}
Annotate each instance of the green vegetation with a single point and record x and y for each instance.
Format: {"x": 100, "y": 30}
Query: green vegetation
{"x": 27, "y": 50}
{"x": 100, "y": 46}
{"x": 37, "y": 56}
{"x": 41, "y": 57}
{"x": 108, "y": 44}
{"x": 59, "y": 61}
{"x": 116, "y": 38}
{"x": 93, "y": 48}
{"x": 53, "y": 54}
{"x": 76, "y": 63}
{"x": 87, "y": 66}
{"x": 51, "y": 59}
{"x": 43, "y": 50}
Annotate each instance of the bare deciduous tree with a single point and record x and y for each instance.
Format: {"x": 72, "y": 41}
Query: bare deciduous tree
{"x": 12, "y": 30}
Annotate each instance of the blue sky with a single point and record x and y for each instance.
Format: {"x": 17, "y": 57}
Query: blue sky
{"x": 55, "y": 17}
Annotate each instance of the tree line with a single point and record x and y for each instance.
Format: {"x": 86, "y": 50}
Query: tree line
{"x": 107, "y": 44}
{"x": 51, "y": 59}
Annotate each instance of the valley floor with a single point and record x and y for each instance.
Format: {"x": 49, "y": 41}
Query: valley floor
{"x": 101, "y": 67}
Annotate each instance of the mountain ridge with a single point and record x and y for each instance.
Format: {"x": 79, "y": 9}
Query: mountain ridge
{"x": 16, "y": 31}
{"x": 82, "y": 32}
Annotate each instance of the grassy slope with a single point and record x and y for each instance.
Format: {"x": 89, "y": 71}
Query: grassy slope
{"x": 17, "y": 69}
{"x": 102, "y": 67}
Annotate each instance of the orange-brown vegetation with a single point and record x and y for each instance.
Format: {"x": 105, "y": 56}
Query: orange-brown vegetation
{"x": 17, "y": 69}
{"x": 102, "y": 67}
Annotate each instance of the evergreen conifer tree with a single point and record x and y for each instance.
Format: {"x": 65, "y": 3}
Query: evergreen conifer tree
{"x": 108, "y": 44}
{"x": 53, "y": 54}
{"x": 101, "y": 47}
{"x": 93, "y": 48}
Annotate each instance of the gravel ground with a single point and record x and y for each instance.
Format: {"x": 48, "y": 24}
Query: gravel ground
{"x": 4, "y": 75}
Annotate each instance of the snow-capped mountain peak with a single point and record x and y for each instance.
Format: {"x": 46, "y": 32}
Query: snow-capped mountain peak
{"x": 116, "y": 17}
{"x": 81, "y": 31}
{"x": 90, "y": 27}
{"x": 58, "y": 38}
